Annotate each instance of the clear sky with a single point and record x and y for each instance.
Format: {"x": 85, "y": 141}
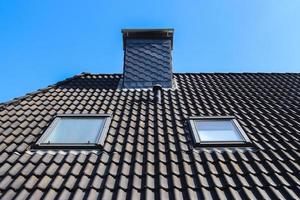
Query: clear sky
{"x": 42, "y": 42}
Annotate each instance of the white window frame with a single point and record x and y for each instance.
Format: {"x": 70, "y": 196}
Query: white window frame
{"x": 41, "y": 144}
{"x": 196, "y": 137}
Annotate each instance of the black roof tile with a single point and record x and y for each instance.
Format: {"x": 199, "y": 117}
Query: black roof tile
{"x": 148, "y": 151}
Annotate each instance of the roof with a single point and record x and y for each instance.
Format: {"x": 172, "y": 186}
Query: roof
{"x": 148, "y": 151}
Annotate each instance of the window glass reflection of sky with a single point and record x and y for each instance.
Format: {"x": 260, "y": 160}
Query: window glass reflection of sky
{"x": 217, "y": 130}
{"x": 75, "y": 130}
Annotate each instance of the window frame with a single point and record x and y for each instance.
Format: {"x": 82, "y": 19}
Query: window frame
{"x": 99, "y": 141}
{"x": 225, "y": 143}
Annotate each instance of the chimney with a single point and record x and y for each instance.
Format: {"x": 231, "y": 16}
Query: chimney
{"x": 147, "y": 58}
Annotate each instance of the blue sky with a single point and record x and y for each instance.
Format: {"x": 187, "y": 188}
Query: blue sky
{"x": 42, "y": 42}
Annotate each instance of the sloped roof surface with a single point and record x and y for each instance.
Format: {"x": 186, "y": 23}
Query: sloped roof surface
{"x": 148, "y": 152}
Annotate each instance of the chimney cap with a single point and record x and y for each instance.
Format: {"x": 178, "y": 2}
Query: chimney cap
{"x": 132, "y": 30}
{"x": 166, "y": 33}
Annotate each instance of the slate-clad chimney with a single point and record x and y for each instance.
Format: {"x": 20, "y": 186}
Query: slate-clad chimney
{"x": 147, "y": 58}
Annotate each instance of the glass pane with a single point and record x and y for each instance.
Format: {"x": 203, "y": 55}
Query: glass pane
{"x": 217, "y": 130}
{"x": 75, "y": 130}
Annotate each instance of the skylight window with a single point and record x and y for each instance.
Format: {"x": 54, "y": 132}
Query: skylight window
{"x": 217, "y": 131}
{"x": 72, "y": 131}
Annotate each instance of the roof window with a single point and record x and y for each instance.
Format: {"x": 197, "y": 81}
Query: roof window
{"x": 217, "y": 131}
{"x": 75, "y": 131}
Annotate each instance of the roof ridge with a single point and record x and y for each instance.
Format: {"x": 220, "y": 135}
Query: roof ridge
{"x": 88, "y": 73}
{"x": 82, "y": 74}
{"x": 17, "y": 99}
{"x": 236, "y": 73}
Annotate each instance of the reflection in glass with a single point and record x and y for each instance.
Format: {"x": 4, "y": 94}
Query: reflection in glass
{"x": 218, "y": 130}
{"x": 75, "y": 130}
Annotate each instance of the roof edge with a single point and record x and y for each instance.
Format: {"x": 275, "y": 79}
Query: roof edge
{"x": 17, "y": 99}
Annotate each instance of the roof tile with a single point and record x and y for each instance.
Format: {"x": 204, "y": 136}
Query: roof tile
{"x": 65, "y": 194}
{"x": 9, "y": 194}
{"x": 148, "y": 150}
{"x": 44, "y": 183}
{"x": 32, "y": 181}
